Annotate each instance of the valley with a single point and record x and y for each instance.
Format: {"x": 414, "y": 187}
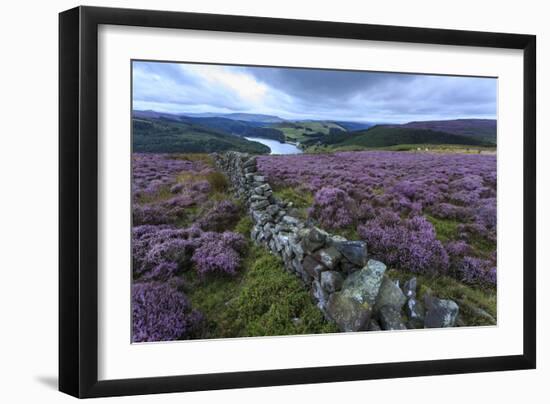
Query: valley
{"x": 262, "y": 134}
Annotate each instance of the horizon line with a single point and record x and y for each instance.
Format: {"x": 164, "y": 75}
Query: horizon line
{"x": 190, "y": 114}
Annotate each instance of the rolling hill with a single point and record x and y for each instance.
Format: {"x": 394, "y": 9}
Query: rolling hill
{"x": 164, "y": 135}
{"x": 253, "y": 117}
{"x": 236, "y": 116}
{"x": 208, "y": 132}
{"x": 353, "y": 126}
{"x": 384, "y": 136}
{"x": 484, "y": 129}
{"x": 237, "y": 128}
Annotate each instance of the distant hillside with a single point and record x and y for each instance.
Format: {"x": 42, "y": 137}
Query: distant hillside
{"x": 238, "y": 128}
{"x": 150, "y": 114}
{"x": 253, "y": 117}
{"x": 384, "y": 136}
{"x": 353, "y": 126}
{"x": 485, "y": 129}
{"x": 163, "y": 135}
{"x": 236, "y": 116}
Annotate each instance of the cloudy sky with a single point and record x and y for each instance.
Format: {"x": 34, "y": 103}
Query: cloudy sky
{"x": 309, "y": 93}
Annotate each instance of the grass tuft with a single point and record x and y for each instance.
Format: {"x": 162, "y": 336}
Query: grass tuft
{"x": 217, "y": 181}
{"x": 445, "y": 229}
{"x": 264, "y": 300}
{"x": 244, "y": 226}
{"x": 274, "y": 302}
{"x": 301, "y": 200}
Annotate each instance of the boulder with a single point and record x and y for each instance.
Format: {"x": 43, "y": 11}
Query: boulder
{"x": 347, "y": 267}
{"x": 288, "y": 250}
{"x": 364, "y": 284}
{"x": 348, "y": 314}
{"x": 260, "y": 205}
{"x": 409, "y": 288}
{"x": 278, "y": 245}
{"x": 272, "y": 245}
{"x": 389, "y": 294}
{"x": 440, "y": 312}
{"x": 297, "y": 265}
{"x": 313, "y": 239}
{"x": 281, "y": 227}
{"x": 331, "y": 281}
{"x": 260, "y": 218}
{"x": 390, "y": 318}
{"x": 312, "y": 267}
{"x": 256, "y": 184}
{"x": 374, "y": 325}
{"x": 251, "y": 162}
{"x": 329, "y": 257}
{"x": 297, "y": 248}
{"x": 354, "y": 251}
{"x": 319, "y": 294}
{"x": 290, "y": 220}
{"x": 256, "y": 198}
{"x": 254, "y": 233}
{"x": 284, "y": 241}
{"x": 268, "y": 227}
{"x": 415, "y": 312}
{"x": 262, "y": 189}
{"x": 306, "y": 279}
{"x": 272, "y": 210}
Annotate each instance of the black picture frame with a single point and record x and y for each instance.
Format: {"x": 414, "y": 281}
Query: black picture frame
{"x": 78, "y": 200}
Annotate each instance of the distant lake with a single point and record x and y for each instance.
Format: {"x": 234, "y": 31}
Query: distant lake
{"x": 276, "y": 146}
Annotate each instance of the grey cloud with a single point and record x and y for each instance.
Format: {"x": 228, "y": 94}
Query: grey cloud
{"x": 320, "y": 94}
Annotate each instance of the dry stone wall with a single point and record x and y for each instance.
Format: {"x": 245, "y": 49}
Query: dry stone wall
{"x": 351, "y": 289}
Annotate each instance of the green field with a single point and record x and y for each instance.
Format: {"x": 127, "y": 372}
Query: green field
{"x": 301, "y": 131}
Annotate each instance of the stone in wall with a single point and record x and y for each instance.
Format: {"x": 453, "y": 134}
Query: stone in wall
{"x": 364, "y": 284}
{"x": 347, "y": 312}
{"x": 389, "y": 295}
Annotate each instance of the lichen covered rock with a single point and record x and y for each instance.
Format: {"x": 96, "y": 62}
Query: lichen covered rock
{"x": 364, "y": 285}
{"x": 389, "y": 294}
{"x": 390, "y": 318}
{"x": 354, "y": 251}
{"x": 331, "y": 281}
{"x": 440, "y": 312}
{"x": 348, "y": 314}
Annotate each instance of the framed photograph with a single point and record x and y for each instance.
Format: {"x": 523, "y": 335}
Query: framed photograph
{"x": 252, "y": 201}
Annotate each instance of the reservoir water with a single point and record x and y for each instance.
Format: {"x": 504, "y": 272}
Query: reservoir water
{"x": 276, "y": 146}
